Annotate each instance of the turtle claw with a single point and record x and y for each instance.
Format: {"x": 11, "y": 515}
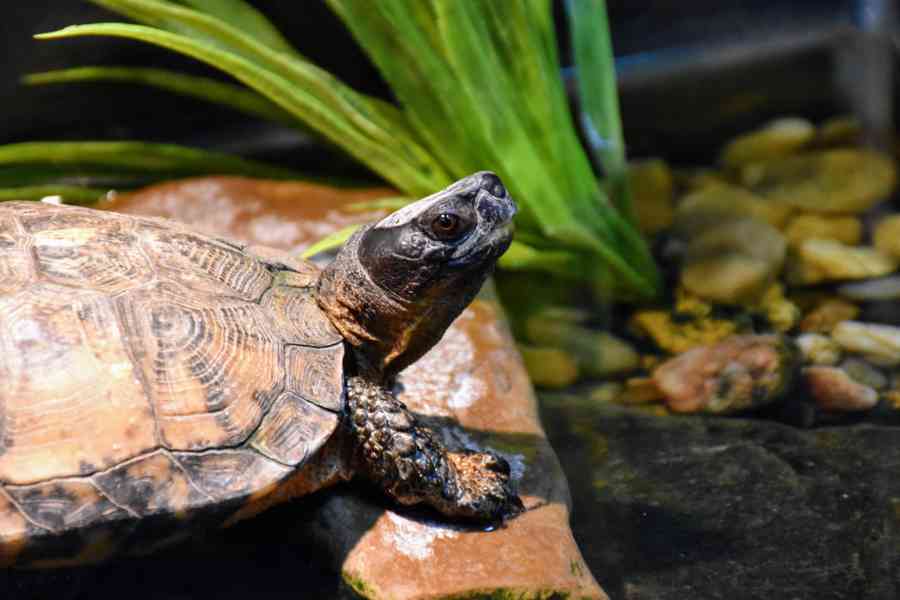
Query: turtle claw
{"x": 484, "y": 489}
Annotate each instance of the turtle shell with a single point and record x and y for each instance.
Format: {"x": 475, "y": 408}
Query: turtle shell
{"x": 150, "y": 377}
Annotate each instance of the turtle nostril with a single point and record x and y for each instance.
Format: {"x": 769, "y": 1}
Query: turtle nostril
{"x": 492, "y": 183}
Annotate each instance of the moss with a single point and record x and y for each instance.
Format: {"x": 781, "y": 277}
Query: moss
{"x": 576, "y": 568}
{"x": 357, "y": 584}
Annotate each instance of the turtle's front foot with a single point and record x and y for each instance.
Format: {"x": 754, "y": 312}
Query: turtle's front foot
{"x": 483, "y": 489}
{"x": 405, "y": 458}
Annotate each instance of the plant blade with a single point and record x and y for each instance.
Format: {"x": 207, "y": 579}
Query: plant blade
{"x": 136, "y": 157}
{"x": 598, "y": 95}
{"x": 245, "y": 17}
{"x": 69, "y": 194}
{"x": 203, "y": 88}
{"x": 348, "y": 119}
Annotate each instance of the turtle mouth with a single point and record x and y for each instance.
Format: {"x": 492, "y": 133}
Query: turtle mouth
{"x": 489, "y": 250}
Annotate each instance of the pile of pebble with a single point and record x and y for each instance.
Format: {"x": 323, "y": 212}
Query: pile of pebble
{"x": 784, "y": 267}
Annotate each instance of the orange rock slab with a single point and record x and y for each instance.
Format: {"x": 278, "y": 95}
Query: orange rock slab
{"x": 471, "y": 386}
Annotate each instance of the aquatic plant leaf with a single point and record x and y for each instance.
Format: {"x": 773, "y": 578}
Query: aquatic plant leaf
{"x": 332, "y": 241}
{"x": 374, "y": 117}
{"x": 245, "y": 17}
{"x": 371, "y": 130}
{"x": 598, "y": 95}
{"x": 478, "y": 87}
{"x": 522, "y": 257}
{"x": 203, "y": 88}
{"x": 69, "y": 194}
{"x": 135, "y": 157}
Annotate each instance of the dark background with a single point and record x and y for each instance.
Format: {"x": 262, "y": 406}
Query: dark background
{"x": 691, "y": 73}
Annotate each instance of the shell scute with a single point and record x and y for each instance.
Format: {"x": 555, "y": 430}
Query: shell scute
{"x": 151, "y": 484}
{"x": 298, "y": 317}
{"x": 202, "y": 264}
{"x": 232, "y": 474}
{"x": 293, "y": 430}
{"x": 211, "y": 372}
{"x": 16, "y": 264}
{"x": 70, "y": 400}
{"x": 64, "y": 505}
{"x": 317, "y": 374}
{"x": 86, "y": 250}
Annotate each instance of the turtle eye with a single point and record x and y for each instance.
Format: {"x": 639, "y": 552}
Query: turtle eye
{"x": 447, "y": 226}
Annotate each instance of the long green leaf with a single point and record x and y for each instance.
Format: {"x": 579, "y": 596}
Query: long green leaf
{"x": 330, "y": 242}
{"x": 136, "y": 157}
{"x": 382, "y": 123}
{"x": 245, "y": 17}
{"x": 312, "y": 104}
{"x": 598, "y": 94}
{"x": 203, "y": 88}
{"x": 70, "y": 194}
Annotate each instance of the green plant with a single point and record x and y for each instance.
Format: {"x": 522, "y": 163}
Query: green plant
{"x": 478, "y": 87}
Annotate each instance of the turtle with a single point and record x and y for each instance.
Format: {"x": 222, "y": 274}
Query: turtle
{"x": 155, "y": 380}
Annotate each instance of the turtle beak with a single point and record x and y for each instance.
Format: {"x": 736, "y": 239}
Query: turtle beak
{"x": 496, "y": 209}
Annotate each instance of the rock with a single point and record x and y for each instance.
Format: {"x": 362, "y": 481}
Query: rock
{"x": 844, "y": 229}
{"x": 834, "y": 390}
{"x": 817, "y": 260}
{"x": 756, "y": 509}
{"x": 828, "y": 181}
{"x": 886, "y": 236}
{"x": 676, "y": 332}
{"x": 652, "y": 194}
{"x": 818, "y": 349}
{"x": 734, "y": 261}
{"x": 472, "y": 382}
{"x": 598, "y": 353}
{"x": 698, "y": 178}
{"x": 843, "y": 130}
{"x": 828, "y": 313}
{"x": 878, "y": 343}
{"x": 892, "y": 397}
{"x": 869, "y": 290}
{"x": 608, "y": 391}
{"x": 777, "y": 138}
{"x": 864, "y": 373}
{"x": 712, "y": 203}
{"x": 739, "y": 373}
{"x": 474, "y": 378}
{"x": 548, "y": 366}
{"x": 639, "y": 390}
{"x": 780, "y": 312}
{"x": 284, "y": 215}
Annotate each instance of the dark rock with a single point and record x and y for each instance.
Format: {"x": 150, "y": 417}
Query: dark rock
{"x": 668, "y": 508}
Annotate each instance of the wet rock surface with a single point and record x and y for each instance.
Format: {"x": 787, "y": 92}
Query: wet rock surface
{"x": 669, "y": 508}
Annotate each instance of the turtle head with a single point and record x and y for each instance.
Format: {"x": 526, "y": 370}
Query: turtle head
{"x": 397, "y": 284}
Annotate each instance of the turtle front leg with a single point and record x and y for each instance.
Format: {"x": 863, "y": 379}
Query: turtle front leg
{"x": 411, "y": 465}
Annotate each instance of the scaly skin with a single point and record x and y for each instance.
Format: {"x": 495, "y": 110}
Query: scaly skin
{"x": 405, "y": 459}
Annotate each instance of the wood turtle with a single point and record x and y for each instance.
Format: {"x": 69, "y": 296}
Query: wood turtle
{"x": 154, "y": 380}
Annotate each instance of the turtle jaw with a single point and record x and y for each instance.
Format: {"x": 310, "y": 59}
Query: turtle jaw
{"x": 488, "y": 251}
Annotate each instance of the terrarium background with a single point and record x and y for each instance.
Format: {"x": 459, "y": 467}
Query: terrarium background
{"x": 692, "y": 74}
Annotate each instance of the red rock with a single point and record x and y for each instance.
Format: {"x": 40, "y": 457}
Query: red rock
{"x": 834, "y": 390}
{"x": 738, "y": 373}
{"x": 474, "y": 378}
